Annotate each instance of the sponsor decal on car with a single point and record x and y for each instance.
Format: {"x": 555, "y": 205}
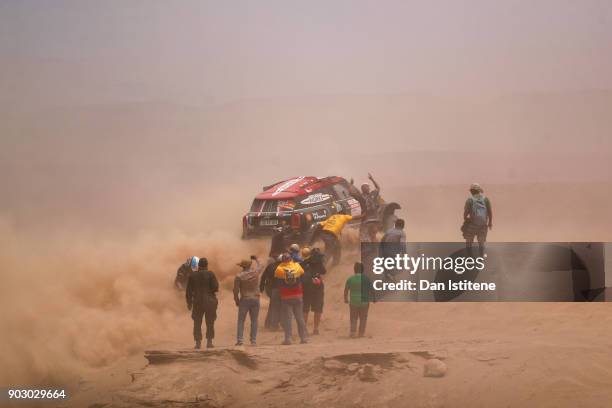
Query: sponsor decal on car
{"x": 319, "y": 215}
{"x": 316, "y": 198}
{"x": 355, "y": 207}
{"x": 286, "y": 205}
{"x": 286, "y": 185}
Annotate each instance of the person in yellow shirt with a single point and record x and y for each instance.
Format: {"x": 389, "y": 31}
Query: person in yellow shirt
{"x": 335, "y": 223}
{"x": 330, "y": 231}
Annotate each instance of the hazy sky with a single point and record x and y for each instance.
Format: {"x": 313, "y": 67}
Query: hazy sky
{"x": 203, "y": 53}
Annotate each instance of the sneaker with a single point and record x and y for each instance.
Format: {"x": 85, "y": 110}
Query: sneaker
{"x": 253, "y": 343}
{"x": 353, "y": 335}
{"x": 303, "y": 341}
{"x": 315, "y": 332}
{"x": 209, "y": 343}
{"x": 198, "y": 345}
{"x": 286, "y": 343}
{"x": 239, "y": 343}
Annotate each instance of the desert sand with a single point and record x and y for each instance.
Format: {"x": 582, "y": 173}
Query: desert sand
{"x": 90, "y": 243}
{"x": 134, "y": 135}
{"x": 104, "y": 313}
{"x": 496, "y": 354}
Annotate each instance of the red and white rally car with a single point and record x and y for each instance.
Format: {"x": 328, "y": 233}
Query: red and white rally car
{"x": 304, "y": 201}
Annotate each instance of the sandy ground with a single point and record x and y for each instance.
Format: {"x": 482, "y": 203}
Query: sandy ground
{"x": 496, "y": 354}
{"x": 115, "y": 167}
{"x": 115, "y": 302}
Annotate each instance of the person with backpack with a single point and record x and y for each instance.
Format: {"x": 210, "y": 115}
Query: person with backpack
{"x": 246, "y": 296}
{"x": 201, "y": 297}
{"x": 314, "y": 290}
{"x": 357, "y": 294}
{"x": 289, "y": 277}
{"x": 477, "y": 218}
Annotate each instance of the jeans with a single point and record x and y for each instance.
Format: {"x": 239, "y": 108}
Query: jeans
{"x": 295, "y": 307}
{"x": 359, "y": 313}
{"x": 274, "y": 310}
{"x": 250, "y": 306}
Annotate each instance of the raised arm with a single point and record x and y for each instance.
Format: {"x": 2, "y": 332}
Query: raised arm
{"x": 258, "y": 266}
{"x": 376, "y": 186}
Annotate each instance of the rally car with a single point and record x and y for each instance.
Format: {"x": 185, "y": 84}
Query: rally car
{"x": 300, "y": 202}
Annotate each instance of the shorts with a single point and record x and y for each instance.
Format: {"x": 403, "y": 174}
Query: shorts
{"x": 313, "y": 301}
{"x": 471, "y": 231}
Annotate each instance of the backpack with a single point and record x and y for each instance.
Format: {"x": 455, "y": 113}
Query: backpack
{"x": 479, "y": 213}
{"x": 290, "y": 277}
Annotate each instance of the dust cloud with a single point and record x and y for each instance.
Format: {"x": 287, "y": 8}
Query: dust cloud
{"x": 101, "y": 209}
{"x": 72, "y": 302}
{"x": 75, "y": 302}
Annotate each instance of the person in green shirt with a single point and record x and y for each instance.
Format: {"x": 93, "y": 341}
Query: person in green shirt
{"x": 357, "y": 289}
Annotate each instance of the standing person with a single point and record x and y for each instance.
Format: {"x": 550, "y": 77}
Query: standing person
{"x": 269, "y": 285}
{"x": 393, "y": 243}
{"x": 289, "y": 277}
{"x": 201, "y": 297}
{"x": 477, "y": 218}
{"x": 395, "y": 234}
{"x": 372, "y": 201}
{"x": 246, "y": 296}
{"x": 358, "y": 287}
{"x": 314, "y": 290}
{"x": 278, "y": 244}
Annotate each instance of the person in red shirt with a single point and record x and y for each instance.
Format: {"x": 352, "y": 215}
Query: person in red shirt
{"x": 289, "y": 274}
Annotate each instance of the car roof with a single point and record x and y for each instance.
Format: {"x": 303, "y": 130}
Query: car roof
{"x": 296, "y": 186}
